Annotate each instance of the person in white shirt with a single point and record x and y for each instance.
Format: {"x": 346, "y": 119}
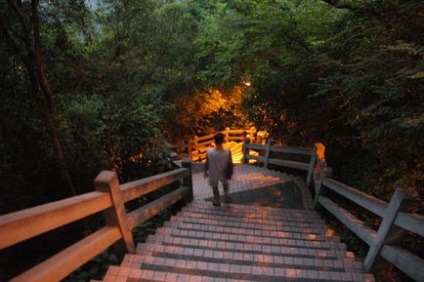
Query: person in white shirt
{"x": 219, "y": 168}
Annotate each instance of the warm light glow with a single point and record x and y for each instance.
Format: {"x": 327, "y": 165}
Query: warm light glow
{"x": 329, "y": 233}
{"x": 320, "y": 150}
{"x": 311, "y": 236}
{"x": 247, "y": 83}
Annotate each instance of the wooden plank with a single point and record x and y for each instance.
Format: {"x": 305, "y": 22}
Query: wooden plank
{"x": 396, "y": 203}
{"x": 146, "y": 212}
{"x": 354, "y": 224}
{"x": 411, "y": 221}
{"x": 135, "y": 189}
{"x": 22, "y": 225}
{"x": 311, "y": 166}
{"x": 255, "y": 147}
{"x": 364, "y": 200}
{"x": 253, "y": 157}
{"x": 107, "y": 181}
{"x": 291, "y": 164}
{"x": 409, "y": 263}
{"x": 292, "y": 150}
{"x": 205, "y": 137}
{"x": 62, "y": 264}
{"x": 188, "y": 180}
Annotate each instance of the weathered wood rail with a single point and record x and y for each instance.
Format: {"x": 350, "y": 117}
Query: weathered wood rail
{"x": 108, "y": 198}
{"x": 396, "y": 216}
{"x": 198, "y": 145}
{"x": 267, "y": 159}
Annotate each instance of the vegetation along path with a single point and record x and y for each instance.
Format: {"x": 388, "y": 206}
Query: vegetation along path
{"x": 265, "y": 232}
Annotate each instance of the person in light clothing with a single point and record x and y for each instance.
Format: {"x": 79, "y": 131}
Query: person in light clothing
{"x": 219, "y": 168}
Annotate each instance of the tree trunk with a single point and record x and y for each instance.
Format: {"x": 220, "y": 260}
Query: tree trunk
{"x": 34, "y": 63}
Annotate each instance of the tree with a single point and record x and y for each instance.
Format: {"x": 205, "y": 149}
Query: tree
{"x": 22, "y": 32}
{"x": 376, "y": 83}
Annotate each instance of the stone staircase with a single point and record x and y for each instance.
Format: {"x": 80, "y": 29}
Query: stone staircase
{"x": 240, "y": 243}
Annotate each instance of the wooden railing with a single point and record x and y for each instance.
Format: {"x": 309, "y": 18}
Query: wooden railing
{"x": 396, "y": 216}
{"x": 266, "y": 158}
{"x": 396, "y": 220}
{"x": 108, "y": 198}
{"x": 198, "y": 145}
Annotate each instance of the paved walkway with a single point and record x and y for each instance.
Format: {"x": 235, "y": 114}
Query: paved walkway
{"x": 252, "y": 185}
{"x": 267, "y": 233}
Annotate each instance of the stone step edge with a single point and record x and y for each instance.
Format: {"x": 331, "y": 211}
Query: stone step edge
{"x": 334, "y": 262}
{"x": 225, "y": 210}
{"x": 249, "y": 231}
{"x": 249, "y": 208}
{"x": 248, "y": 239}
{"x": 257, "y": 273}
{"x": 250, "y": 250}
{"x": 195, "y": 235}
{"x": 122, "y": 273}
{"x": 314, "y": 229}
{"x": 249, "y": 219}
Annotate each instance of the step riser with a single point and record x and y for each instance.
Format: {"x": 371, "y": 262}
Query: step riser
{"x": 264, "y": 226}
{"x": 238, "y": 271}
{"x": 258, "y": 240}
{"x": 287, "y": 258}
{"x": 246, "y": 248}
{"x": 204, "y": 205}
{"x": 221, "y": 211}
{"x": 248, "y": 220}
{"x": 239, "y": 231}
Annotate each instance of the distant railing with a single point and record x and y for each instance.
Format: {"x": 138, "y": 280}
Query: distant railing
{"x": 396, "y": 216}
{"x": 108, "y": 198}
{"x": 266, "y": 157}
{"x": 198, "y": 145}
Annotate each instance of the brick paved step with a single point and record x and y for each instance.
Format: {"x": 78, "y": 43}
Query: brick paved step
{"x": 255, "y": 229}
{"x": 251, "y": 209}
{"x": 231, "y": 221}
{"x": 277, "y": 257}
{"x": 246, "y": 231}
{"x": 228, "y": 270}
{"x": 297, "y": 248}
{"x": 116, "y": 273}
{"x": 253, "y": 212}
{"x": 242, "y": 242}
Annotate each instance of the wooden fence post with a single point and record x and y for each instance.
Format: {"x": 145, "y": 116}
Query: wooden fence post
{"x": 188, "y": 180}
{"x": 320, "y": 190}
{"x": 107, "y": 181}
{"x": 252, "y": 134}
{"x": 244, "y": 151}
{"x": 396, "y": 204}
{"x": 267, "y": 151}
{"x": 227, "y": 134}
{"x": 311, "y": 166}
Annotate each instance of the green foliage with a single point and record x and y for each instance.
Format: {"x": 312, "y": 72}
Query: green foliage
{"x": 377, "y": 84}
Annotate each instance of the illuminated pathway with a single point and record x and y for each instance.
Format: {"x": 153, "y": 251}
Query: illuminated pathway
{"x": 267, "y": 232}
{"x": 253, "y": 185}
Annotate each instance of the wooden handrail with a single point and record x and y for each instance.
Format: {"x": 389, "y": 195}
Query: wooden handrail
{"x": 396, "y": 213}
{"x": 109, "y": 199}
{"x": 393, "y": 213}
{"x": 200, "y": 144}
{"x": 22, "y": 225}
{"x": 268, "y": 149}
